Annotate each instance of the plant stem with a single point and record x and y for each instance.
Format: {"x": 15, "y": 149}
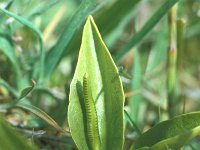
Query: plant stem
{"x": 180, "y": 27}
{"x": 136, "y": 85}
{"x": 132, "y": 123}
{"x": 172, "y": 61}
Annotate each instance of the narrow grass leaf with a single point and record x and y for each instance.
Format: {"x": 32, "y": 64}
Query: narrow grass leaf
{"x": 136, "y": 85}
{"x": 57, "y": 52}
{"x": 132, "y": 123}
{"x": 158, "y": 53}
{"x": 27, "y": 90}
{"x": 28, "y": 24}
{"x": 39, "y": 113}
{"x": 30, "y": 13}
{"x": 43, "y": 7}
{"x": 8, "y": 50}
{"x": 7, "y": 6}
{"x": 146, "y": 29}
{"x": 112, "y": 30}
{"x": 9, "y": 88}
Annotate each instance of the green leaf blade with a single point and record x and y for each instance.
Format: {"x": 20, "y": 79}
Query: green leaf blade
{"x": 136, "y": 85}
{"x": 54, "y": 56}
{"x": 27, "y": 90}
{"x": 171, "y": 132}
{"x": 40, "y": 113}
{"x": 107, "y": 92}
{"x": 11, "y": 140}
{"x": 27, "y": 23}
{"x": 146, "y": 29}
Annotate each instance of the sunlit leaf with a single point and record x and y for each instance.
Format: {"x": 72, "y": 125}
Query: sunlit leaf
{"x": 106, "y": 89}
{"x": 173, "y": 133}
{"x": 175, "y": 142}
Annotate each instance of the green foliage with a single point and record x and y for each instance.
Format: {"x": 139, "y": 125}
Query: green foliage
{"x": 39, "y": 41}
{"x": 40, "y": 113}
{"x": 25, "y": 22}
{"x": 136, "y": 85}
{"x": 147, "y": 27}
{"x": 176, "y": 142}
{"x": 105, "y": 90}
{"x": 54, "y": 55}
{"x": 111, "y": 30}
{"x": 10, "y": 139}
{"x": 27, "y": 90}
{"x": 171, "y": 134}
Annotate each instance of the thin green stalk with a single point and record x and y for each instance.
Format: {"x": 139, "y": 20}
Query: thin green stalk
{"x": 180, "y": 27}
{"x": 136, "y": 85}
{"x": 132, "y": 123}
{"x": 172, "y": 61}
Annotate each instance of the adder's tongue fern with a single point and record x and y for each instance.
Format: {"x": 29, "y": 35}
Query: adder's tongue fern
{"x": 92, "y": 136}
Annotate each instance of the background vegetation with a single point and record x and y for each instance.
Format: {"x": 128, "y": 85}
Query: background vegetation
{"x": 40, "y": 40}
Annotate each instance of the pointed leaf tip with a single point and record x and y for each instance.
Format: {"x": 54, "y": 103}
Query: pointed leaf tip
{"x": 106, "y": 91}
{"x": 90, "y": 17}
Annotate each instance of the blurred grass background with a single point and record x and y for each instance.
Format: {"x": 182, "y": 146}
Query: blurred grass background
{"x": 41, "y": 43}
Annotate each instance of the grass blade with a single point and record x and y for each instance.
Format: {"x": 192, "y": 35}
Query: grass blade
{"x": 27, "y": 23}
{"x": 39, "y": 113}
{"x": 27, "y": 90}
{"x": 132, "y": 123}
{"x": 9, "y": 88}
{"x": 112, "y": 30}
{"x": 56, "y": 53}
{"x": 158, "y": 53}
{"x": 146, "y": 29}
{"x": 136, "y": 85}
{"x": 8, "y": 50}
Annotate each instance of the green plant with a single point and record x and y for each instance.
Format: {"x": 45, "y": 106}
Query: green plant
{"x": 95, "y": 96}
{"x": 135, "y": 86}
{"x": 89, "y": 103}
